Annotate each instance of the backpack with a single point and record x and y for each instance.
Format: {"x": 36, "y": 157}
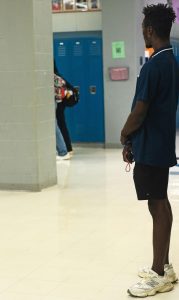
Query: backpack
{"x": 72, "y": 96}
{"x": 65, "y": 92}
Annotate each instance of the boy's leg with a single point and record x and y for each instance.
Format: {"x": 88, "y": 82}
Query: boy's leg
{"x": 162, "y": 224}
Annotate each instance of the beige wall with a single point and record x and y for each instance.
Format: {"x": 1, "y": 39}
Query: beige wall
{"x": 121, "y": 21}
{"x": 27, "y": 134}
{"x": 80, "y": 21}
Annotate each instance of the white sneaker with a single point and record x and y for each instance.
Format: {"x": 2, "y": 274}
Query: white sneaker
{"x": 170, "y": 273}
{"x": 64, "y": 157}
{"x": 71, "y": 153}
{"x": 150, "y": 285}
{"x": 168, "y": 269}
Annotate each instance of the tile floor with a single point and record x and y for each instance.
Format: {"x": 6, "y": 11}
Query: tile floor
{"x": 83, "y": 239}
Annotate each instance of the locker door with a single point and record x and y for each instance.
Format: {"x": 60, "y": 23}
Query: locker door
{"x": 95, "y": 94}
{"x": 76, "y": 116}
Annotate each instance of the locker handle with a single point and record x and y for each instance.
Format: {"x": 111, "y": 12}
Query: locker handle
{"x": 92, "y": 89}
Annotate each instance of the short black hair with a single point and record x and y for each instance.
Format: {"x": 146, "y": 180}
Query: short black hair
{"x": 160, "y": 17}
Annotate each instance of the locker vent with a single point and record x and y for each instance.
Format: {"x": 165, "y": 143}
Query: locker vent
{"x": 61, "y": 50}
{"x": 77, "y": 49}
{"x": 94, "y": 49}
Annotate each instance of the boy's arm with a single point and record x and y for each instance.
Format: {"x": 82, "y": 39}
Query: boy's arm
{"x": 134, "y": 120}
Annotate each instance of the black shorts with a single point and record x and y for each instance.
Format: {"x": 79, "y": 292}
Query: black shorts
{"x": 151, "y": 182}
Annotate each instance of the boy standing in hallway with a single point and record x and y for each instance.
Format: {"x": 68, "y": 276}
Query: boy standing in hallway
{"x": 149, "y": 134}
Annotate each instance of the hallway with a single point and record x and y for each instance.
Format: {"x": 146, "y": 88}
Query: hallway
{"x": 83, "y": 239}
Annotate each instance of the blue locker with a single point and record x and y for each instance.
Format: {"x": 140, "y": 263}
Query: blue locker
{"x": 79, "y": 60}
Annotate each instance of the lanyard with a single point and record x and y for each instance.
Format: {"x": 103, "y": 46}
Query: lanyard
{"x": 169, "y": 49}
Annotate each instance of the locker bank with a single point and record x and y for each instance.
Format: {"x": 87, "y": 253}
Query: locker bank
{"x": 73, "y": 229}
